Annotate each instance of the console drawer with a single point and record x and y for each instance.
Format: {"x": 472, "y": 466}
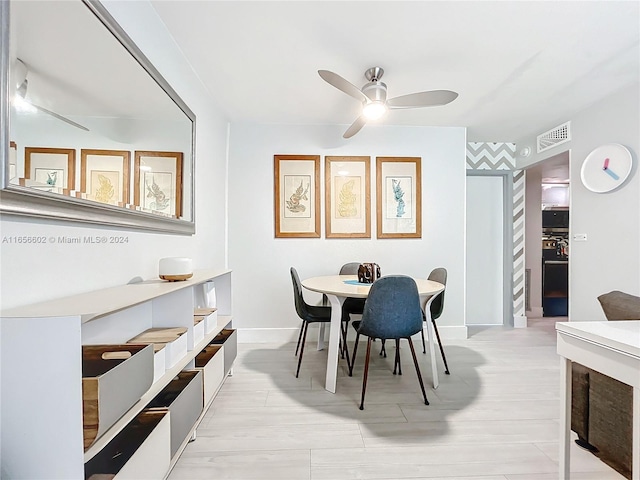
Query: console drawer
{"x": 211, "y": 361}
{"x": 228, "y": 338}
{"x": 140, "y": 451}
{"x": 183, "y": 397}
{"x": 114, "y": 377}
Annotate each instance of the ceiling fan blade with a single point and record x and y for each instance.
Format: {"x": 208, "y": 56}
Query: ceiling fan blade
{"x": 60, "y": 117}
{"x": 355, "y": 127}
{"x": 21, "y": 89}
{"x": 341, "y": 84}
{"x": 432, "y": 98}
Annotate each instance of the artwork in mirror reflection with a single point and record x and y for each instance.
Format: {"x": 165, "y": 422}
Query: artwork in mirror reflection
{"x": 158, "y": 177}
{"x": 82, "y": 107}
{"x": 105, "y": 176}
{"x": 49, "y": 169}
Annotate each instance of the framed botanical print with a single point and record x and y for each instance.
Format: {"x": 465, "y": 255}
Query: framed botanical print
{"x": 157, "y": 182}
{"x": 398, "y": 197}
{"x": 347, "y": 197}
{"x": 104, "y": 176}
{"x": 297, "y": 196}
{"x": 50, "y": 169}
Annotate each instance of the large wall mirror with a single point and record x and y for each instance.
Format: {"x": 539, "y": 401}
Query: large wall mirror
{"x": 91, "y": 132}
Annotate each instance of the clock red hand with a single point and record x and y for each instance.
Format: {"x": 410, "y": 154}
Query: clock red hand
{"x": 606, "y": 164}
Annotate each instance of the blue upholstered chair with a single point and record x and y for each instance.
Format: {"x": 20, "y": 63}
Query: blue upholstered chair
{"x": 392, "y": 311}
{"x": 437, "y": 306}
{"x": 307, "y": 313}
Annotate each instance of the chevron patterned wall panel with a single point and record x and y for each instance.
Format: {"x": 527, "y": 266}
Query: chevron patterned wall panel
{"x": 518, "y": 244}
{"x": 491, "y": 156}
{"x": 502, "y": 156}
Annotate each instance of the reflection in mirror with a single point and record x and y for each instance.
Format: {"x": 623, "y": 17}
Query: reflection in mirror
{"x": 82, "y": 109}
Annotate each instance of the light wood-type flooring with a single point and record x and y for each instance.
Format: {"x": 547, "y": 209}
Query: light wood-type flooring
{"x": 494, "y": 418}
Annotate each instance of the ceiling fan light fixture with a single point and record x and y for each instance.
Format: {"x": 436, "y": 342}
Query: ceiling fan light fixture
{"x": 374, "y": 110}
{"x": 21, "y": 105}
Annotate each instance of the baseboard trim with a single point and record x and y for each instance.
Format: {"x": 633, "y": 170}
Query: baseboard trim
{"x": 287, "y": 335}
{"x": 456, "y": 332}
{"x": 519, "y": 321}
{"x": 274, "y": 335}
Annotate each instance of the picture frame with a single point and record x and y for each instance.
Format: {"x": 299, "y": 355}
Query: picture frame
{"x": 347, "y": 197}
{"x": 104, "y": 176}
{"x": 50, "y": 169}
{"x": 297, "y": 196}
{"x": 13, "y": 162}
{"x": 399, "y": 197}
{"x": 157, "y": 182}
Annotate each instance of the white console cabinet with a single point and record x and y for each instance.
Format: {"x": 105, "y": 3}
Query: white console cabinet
{"x": 41, "y": 367}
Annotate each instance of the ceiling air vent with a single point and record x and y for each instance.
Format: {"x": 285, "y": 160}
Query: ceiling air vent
{"x": 553, "y": 137}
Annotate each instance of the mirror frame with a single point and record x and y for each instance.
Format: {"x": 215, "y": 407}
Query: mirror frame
{"x": 22, "y": 201}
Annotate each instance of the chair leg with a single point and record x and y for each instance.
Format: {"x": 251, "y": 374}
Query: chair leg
{"x": 383, "y": 351}
{"x": 299, "y": 337}
{"x": 345, "y": 349}
{"x": 424, "y": 345}
{"x": 415, "y": 362}
{"x": 304, "y": 339}
{"x": 366, "y": 373}
{"x": 396, "y": 362}
{"x": 345, "y": 332}
{"x": 444, "y": 359}
{"x": 353, "y": 355}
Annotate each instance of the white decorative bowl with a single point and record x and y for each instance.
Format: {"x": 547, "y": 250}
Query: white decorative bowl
{"x": 175, "y": 269}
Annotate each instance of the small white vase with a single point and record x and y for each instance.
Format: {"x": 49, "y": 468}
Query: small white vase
{"x": 209, "y": 291}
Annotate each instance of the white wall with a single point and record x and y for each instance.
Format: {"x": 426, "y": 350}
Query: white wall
{"x": 263, "y": 295}
{"x": 32, "y": 273}
{"x": 610, "y": 258}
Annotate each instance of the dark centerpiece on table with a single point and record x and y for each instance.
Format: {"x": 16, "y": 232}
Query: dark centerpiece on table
{"x": 368, "y": 272}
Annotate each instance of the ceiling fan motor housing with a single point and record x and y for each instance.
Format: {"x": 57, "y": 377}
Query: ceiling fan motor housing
{"x": 375, "y": 91}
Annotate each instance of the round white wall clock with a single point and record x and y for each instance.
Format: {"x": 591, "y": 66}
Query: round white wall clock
{"x": 606, "y": 168}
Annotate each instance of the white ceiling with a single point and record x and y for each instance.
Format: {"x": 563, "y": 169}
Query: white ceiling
{"x": 520, "y": 67}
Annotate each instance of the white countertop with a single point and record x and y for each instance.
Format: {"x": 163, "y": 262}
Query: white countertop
{"x": 622, "y": 335}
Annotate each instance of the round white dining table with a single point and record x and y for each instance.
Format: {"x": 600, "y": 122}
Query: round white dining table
{"x": 339, "y": 287}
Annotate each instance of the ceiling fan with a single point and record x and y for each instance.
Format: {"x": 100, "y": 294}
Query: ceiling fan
{"x": 21, "y": 95}
{"x": 374, "y": 97}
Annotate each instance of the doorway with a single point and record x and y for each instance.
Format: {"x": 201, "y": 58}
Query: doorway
{"x": 547, "y": 236}
{"x": 488, "y": 248}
